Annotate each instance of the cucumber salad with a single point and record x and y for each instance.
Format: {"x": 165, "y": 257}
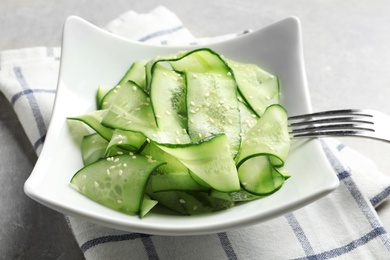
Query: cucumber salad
{"x": 193, "y": 131}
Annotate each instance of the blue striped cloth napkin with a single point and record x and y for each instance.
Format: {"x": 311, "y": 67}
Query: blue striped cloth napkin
{"x": 344, "y": 224}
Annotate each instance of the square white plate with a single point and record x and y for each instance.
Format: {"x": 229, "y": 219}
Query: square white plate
{"x": 92, "y": 57}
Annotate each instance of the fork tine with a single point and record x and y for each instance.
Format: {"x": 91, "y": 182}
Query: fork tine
{"x": 339, "y": 112}
{"x": 331, "y": 127}
{"x": 328, "y": 120}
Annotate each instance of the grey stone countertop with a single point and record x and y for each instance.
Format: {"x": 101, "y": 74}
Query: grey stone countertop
{"x": 347, "y": 57}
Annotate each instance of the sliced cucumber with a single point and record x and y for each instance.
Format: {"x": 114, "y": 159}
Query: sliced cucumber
{"x": 136, "y": 74}
{"x": 259, "y": 88}
{"x": 209, "y": 160}
{"x": 93, "y": 148}
{"x": 118, "y": 182}
{"x": 94, "y": 120}
{"x": 167, "y": 93}
{"x": 269, "y": 136}
{"x": 258, "y": 176}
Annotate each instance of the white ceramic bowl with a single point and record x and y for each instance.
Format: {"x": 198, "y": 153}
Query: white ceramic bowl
{"x": 92, "y": 56}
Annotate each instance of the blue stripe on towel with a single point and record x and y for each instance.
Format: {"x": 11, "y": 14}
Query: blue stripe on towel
{"x": 160, "y": 33}
{"x": 348, "y": 247}
{"x": 227, "y": 246}
{"x": 30, "y": 91}
{"x": 34, "y": 107}
{"x": 380, "y": 197}
{"x": 146, "y": 240}
{"x": 300, "y": 234}
{"x": 149, "y": 247}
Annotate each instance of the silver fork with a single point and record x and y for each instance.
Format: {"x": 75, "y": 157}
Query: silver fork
{"x": 346, "y": 122}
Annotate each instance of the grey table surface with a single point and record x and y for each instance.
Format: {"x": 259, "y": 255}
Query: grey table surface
{"x": 347, "y": 56}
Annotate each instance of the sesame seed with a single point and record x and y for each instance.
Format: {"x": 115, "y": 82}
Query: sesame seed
{"x": 150, "y": 160}
{"x": 250, "y": 97}
{"x": 134, "y": 157}
{"x": 178, "y": 140}
{"x": 119, "y": 152}
{"x": 182, "y": 201}
{"x": 116, "y": 160}
{"x": 108, "y": 171}
{"x": 192, "y": 103}
{"x": 119, "y": 201}
{"x": 168, "y": 113}
{"x": 112, "y": 167}
{"x": 184, "y": 131}
{"x": 229, "y": 73}
{"x": 125, "y": 165}
{"x": 118, "y": 86}
{"x": 134, "y": 88}
{"x": 96, "y": 184}
{"x": 158, "y": 116}
{"x": 84, "y": 176}
{"x": 120, "y": 141}
{"x": 120, "y": 172}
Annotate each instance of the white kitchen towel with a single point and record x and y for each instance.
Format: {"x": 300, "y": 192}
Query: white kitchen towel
{"x": 344, "y": 224}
